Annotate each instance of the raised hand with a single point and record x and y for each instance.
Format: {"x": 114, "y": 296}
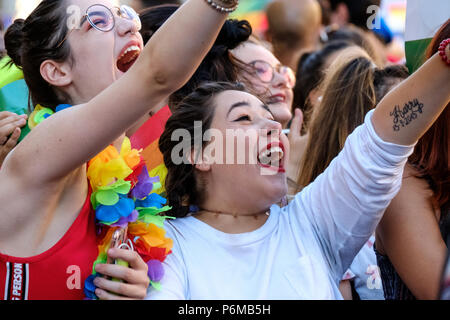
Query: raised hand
{"x": 10, "y": 124}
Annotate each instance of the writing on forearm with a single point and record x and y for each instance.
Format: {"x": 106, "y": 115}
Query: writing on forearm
{"x": 404, "y": 116}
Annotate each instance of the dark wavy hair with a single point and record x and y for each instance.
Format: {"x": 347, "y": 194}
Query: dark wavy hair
{"x": 154, "y": 17}
{"x": 219, "y": 64}
{"x": 31, "y": 41}
{"x": 184, "y": 186}
{"x": 151, "y": 3}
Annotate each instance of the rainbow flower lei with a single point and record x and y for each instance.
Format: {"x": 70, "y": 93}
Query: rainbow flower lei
{"x": 122, "y": 197}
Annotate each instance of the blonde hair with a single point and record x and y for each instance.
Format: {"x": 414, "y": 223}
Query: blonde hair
{"x": 349, "y": 94}
{"x": 353, "y": 86}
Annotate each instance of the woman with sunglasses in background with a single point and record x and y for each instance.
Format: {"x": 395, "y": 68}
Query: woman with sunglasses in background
{"x": 268, "y": 78}
{"x": 238, "y": 56}
{"x": 100, "y": 66}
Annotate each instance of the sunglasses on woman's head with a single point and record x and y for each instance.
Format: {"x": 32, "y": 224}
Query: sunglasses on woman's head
{"x": 103, "y": 18}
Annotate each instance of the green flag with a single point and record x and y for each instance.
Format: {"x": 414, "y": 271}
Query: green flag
{"x": 423, "y": 20}
{"x": 13, "y": 91}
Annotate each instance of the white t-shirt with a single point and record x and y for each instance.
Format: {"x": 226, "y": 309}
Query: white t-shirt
{"x": 304, "y": 248}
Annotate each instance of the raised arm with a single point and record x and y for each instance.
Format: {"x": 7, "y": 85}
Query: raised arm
{"x": 407, "y": 112}
{"x": 69, "y": 138}
{"x": 345, "y": 203}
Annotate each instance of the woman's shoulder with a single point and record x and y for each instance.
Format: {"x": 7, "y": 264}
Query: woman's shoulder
{"x": 181, "y": 228}
{"x": 413, "y": 203}
{"x": 413, "y": 180}
{"x": 416, "y": 189}
{"x": 412, "y": 208}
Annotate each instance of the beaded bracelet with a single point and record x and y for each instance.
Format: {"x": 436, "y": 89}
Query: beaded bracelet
{"x": 442, "y": 53}
{"x": 231, "y": 5}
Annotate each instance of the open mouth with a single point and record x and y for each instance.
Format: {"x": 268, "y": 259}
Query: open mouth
{"x": 272, "y": 156}
{"x": 128, "y": 57}
{"x": 278, "y": 98}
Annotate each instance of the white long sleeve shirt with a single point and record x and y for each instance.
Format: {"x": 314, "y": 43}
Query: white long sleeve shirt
{"x": 304, "y": 248}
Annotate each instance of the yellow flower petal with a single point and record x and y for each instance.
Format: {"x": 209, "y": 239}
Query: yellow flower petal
{"x": 131, "y": 156}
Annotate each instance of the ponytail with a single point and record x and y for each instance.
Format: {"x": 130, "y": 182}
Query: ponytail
{"x": 34, "y": 40}
{"x": 219, "y": 65}
{"x": 14, "y": 40}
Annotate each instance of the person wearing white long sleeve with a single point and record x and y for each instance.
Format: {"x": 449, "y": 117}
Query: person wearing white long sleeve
{"x": 237, "y": 243}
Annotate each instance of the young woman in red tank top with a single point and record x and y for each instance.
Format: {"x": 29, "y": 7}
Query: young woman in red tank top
{"x": 47, "y": 232}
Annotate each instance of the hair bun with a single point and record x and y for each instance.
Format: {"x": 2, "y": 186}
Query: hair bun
{"x": 13, "y": 41}
{"x": 233, "y": 33}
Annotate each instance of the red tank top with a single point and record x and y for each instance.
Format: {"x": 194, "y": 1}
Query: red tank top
{"x": 58, "y": 273}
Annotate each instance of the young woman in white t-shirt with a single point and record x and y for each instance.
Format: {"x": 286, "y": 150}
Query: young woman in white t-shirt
{"x": 231, "y": 241}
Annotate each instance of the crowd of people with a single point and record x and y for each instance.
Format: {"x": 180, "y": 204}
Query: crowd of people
{"x": 343, "y": 193}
